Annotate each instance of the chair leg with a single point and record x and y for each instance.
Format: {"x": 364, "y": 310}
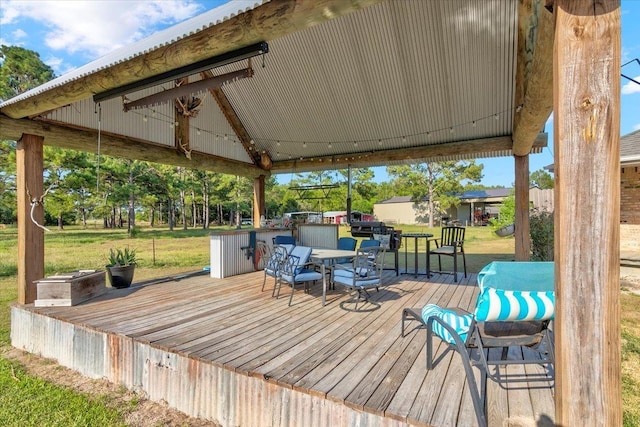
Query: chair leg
{"x": 464, "y": 262}
{"x": 278, "y": 283}
{"x": 461, "y": 349}
{"x": 439, "y": 264}
{"x": 264, "y": 281}
{"x": 455, "y": 268}
{"x": 293, "y": 288}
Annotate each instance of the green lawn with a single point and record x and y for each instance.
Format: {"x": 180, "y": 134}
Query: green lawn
{"x": 26, "y": 400}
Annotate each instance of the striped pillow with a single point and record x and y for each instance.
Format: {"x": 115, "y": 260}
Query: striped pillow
{"x": 506, "y": 305}
{"x": 460, "y": 323}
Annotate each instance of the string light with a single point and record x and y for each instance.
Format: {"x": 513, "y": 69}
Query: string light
{"x": 330, "y": 144}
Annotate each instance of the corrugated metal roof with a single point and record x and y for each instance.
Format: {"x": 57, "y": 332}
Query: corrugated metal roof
{"x": 398, "y": 74}
{"x": 148, "y": 44}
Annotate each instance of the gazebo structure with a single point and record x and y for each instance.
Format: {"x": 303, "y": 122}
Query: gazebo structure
{"x": 255, "y": 89}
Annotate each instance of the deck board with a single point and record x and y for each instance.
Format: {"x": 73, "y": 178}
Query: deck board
{"x": 334, "y": 360}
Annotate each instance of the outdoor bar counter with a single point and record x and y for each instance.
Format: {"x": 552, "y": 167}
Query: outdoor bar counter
{"x": 230, "y": 250}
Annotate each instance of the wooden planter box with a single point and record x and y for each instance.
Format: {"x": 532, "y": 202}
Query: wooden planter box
{"x": 70, "y": 288}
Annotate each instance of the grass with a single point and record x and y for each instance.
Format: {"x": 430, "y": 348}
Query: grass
{"x": 30, "y": 401}
{"x": 27, "y": 400}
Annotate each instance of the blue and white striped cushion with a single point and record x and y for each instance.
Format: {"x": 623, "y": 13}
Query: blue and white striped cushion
{"x": 460, "y": 323}
{"x": 507, "y": 305}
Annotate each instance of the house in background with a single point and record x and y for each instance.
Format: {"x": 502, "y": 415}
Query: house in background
{"x": 630, "y": 192}
{"x": 630, "y": 178}
{"x": 476, "y": 207}
{"x": 340, "y": 217}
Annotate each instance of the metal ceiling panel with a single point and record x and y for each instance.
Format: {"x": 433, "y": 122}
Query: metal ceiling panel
{"x": 210, "y": 131}
{"x": 398, "y": 74}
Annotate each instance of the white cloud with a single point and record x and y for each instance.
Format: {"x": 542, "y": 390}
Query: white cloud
{"x": 631, "y": 87}
{"x": 19, "y": 34}
{"x": 636, "y": 127}
{"x": 97, "y": 27}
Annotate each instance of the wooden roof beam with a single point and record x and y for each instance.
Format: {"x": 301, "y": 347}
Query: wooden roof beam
{"x": 120, "y": 146}
{"x": 267, "y": 22}
{"x": 534, "y": 71}
{"x": 429, "y": 152}
{"x": 234, "y": 121}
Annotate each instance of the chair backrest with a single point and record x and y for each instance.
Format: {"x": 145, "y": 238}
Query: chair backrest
{"x": 369, "y": 261}
{"x": 347, "y": 243}
{"x": 284, "y": 240}
{"x": 296, "y": 260}
{"x": 516, "y": 291}
{"x": 452, "y": 236}
{"x": 272, "y": 258}
{"x": 369, "y": 243}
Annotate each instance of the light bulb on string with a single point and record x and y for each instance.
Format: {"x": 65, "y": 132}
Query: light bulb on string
{"x": 144, "y": 118}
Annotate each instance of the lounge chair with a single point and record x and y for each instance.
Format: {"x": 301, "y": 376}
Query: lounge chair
{"x": 514, "y": 308}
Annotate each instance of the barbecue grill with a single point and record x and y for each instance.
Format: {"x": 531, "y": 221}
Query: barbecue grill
{"x": 371, "y": 228}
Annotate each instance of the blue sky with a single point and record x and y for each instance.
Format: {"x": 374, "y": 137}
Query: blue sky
{"x": 68, "y": 34}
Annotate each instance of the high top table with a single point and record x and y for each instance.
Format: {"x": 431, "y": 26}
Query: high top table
{"x": 416, "y": 237}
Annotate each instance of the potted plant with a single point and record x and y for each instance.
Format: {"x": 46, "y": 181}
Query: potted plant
{"x": 122, "y": 263}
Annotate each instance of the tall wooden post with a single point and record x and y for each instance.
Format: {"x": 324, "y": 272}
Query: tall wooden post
{"x": 587, "y": 212}
{"x": 29, "y": 167}
{"x": 522, "y": 237}
{"x": 258, "y": 200}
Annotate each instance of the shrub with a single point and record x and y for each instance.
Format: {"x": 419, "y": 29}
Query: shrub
{"x": 507, "y": 213}
{"x": 541, "y": 232}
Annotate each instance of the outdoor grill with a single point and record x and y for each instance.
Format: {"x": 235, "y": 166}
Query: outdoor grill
{"x": 369, "y": 228}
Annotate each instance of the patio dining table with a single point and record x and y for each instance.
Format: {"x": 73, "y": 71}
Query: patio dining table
{"x": 321, "y": 256}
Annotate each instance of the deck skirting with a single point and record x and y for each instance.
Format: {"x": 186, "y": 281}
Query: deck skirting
{"x": 194, "y": 386}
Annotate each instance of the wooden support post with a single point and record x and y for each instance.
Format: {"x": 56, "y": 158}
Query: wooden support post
{"x": 587, "y": 212}
{"x": 258, "y": 200}
{"x": 29, "y": 167}
{"x": 522, "y": 237}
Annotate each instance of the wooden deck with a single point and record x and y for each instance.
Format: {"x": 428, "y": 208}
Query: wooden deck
{"x": 223, "y": 350}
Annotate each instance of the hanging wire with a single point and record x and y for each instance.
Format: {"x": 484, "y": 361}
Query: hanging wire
{"x": 35, "y": 202}
{"x": 99, "y": 112}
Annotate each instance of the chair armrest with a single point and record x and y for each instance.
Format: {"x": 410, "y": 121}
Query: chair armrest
{"x": 434, "y": 239}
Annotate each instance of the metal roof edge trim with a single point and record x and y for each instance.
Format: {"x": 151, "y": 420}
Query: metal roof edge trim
{"x": 148, "y": 44}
